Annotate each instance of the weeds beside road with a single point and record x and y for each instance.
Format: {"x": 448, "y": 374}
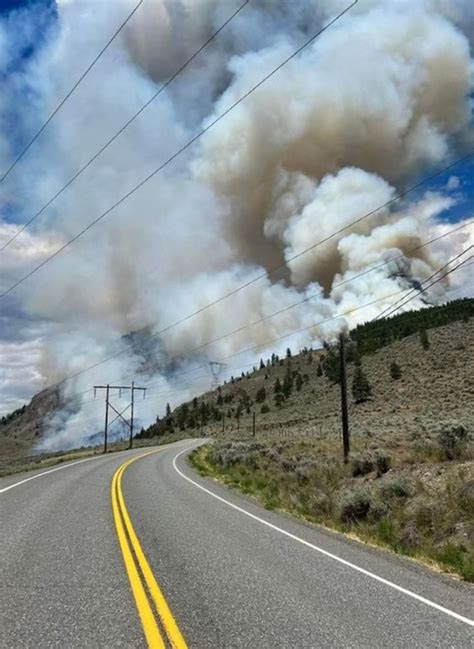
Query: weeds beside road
{"x": 418, "y": 505}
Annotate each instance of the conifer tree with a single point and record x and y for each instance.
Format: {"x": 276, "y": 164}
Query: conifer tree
{"x": 299, "y": 382}
{"x": 395, "y": 371}
{"x": 279, "y": 398}
{"x": 361, "y": 389}
{"x": 425, "y": 343}
{"x": 287, "y": 384}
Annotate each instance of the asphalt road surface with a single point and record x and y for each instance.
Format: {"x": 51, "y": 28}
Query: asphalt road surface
{"x": 98, "y": 554}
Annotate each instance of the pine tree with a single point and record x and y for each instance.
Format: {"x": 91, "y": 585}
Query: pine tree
{"x": 288, "y": 352}
{"x": 395, "y": 371}
{"x": 425, "y": 343}
{"x": 279, "y": 398}
{"x": 299, "y": 382}
{"x": 168, "y": 410}
{"x": 332, "y": 366}
{"x": 260, "y": 395}
{"x": 287, "y": 384}
{"x": 277, "y": 386}
{"x": 262, "y": 364}
{"x": 361, "y": 389}
{"x": 319, "y": 371}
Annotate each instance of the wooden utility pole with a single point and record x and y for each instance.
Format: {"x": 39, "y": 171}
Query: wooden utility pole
{"x": 132, "y": 406}
{"x": 107, "y": 391}
{"x": 344, "y": 411}
{"x": 108, "y": 405}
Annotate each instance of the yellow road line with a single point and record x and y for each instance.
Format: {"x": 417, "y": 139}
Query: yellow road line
{"x": 150, "y": 627}
{"x": 152, "y": 632}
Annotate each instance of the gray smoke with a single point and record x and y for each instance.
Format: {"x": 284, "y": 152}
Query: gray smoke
{"x": 380, "y": 98}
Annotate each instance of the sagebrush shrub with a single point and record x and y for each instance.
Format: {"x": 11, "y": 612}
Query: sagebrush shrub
{"x": 453, "y": 441}
{"x": 361, "y": 466}
{"x": 383, "y": 464}
{"x": 355, "y": 506}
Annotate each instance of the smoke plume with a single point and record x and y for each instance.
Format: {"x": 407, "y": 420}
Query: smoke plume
{"x": 381, "y": 98}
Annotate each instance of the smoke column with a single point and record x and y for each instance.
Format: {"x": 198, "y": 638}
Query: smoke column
{"x": 381, "y": 98}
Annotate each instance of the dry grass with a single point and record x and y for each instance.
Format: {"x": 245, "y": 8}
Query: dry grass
{"x": 436, "y": 389}
{"x": 422, "y": 510}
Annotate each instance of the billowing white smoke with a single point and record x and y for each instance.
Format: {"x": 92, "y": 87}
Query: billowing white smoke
{"x": 382, "y": 96}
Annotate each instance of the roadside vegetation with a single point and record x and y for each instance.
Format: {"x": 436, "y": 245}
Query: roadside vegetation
{"x": 415, "y": 499}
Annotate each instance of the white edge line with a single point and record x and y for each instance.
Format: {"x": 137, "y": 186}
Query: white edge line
{"x": 58, "y": 468}
{"x": 405, "y": 591}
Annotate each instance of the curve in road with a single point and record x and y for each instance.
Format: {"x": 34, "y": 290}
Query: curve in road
{"x": 230, "y": 573}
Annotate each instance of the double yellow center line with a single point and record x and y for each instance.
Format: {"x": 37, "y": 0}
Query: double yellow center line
{"x": 152, "y": 607}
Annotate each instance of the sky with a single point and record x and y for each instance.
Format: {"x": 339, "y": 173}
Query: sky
{"x": 301, "y": 158}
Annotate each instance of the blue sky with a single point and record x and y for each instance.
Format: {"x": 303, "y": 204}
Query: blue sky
{"x": 8, "y": 5}
{"x": 19, "y": 135}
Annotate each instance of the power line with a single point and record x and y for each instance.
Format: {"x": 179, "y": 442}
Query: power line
{"x": 314, "y": 295}
{"x": 256, "y": 322}
{"x": 433, "y": 282}
{"x": 172, "y": 157}
{"x": 414, "y": 289}
{"x": 341, "y": 315}
{"x": 335, "y": 317}
{"x": 63, "y": 101}
{"x": 291, "y": 333}
{"x": 123, "y": 127}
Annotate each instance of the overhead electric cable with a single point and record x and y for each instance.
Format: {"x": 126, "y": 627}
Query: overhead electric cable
{"x": 432, "y": 283}
{"x": 63, "y": 101}
{"x": 415, "y": 288}
{"x": 105, "y": 146}
{"x": 171, "y": 158}
{"x": 260, "y": 320}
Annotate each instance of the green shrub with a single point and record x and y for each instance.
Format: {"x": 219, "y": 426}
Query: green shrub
{"x": 453, "y": 441}
{"x": 264, "y": 409}
{"x": 397, "y": 488}
{"x": 395, "y": 371}
{"x": 383, "y": 464}
{"x": 355, "y": 506}
{"x": 362, "y": 465}
{"x": 457, "y": 557}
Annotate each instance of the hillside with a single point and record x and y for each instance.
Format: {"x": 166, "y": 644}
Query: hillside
{"x": 436, "y": 385}
{"x": 409, "y": 481}
{"x": 440, "y": 375}
{"x": 23, "y": 428}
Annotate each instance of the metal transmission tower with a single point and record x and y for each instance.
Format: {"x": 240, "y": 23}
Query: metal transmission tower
{"x": 119, "y": 415}
{"x": 216, "y": 372}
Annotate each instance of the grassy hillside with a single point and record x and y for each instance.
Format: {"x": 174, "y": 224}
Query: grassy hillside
{"x": 436, "y": 385}
{"x": 409, "y": 484}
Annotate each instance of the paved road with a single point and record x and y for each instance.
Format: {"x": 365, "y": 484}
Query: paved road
{"x": 232, "y": 573}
